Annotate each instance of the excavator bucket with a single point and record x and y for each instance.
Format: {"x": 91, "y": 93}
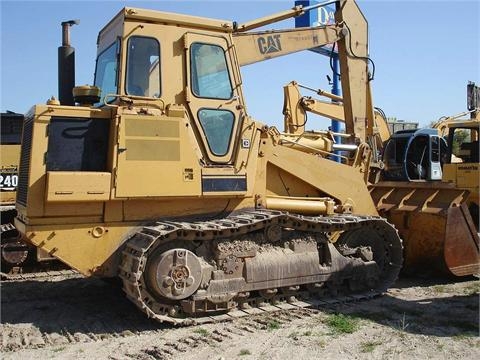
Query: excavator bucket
{"x": 434, "y": 222}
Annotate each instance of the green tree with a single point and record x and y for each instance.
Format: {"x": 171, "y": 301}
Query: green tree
{"x": 459, "y": 137}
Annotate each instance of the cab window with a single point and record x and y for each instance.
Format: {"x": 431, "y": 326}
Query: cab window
{"x": 143, "y": 67}
{"x": 11, "y": 128}
{"x": 210, "y": 78}
{"x": 106, "y": 71}
{"x": 77, "y": 144}
{"x": 217, "y": 126}
{"x": 464, "y": 145}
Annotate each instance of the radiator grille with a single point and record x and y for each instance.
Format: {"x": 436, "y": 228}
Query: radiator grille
{"x": 24, "y": 169}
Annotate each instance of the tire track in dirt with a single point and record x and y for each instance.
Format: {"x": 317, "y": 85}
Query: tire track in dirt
{"x": 38, "y": 314}
{"x": 52, "y": 314}
{"x": 42, "y": 313}
{"x": 212, "y": 335}
{"x": 83, "y": 310}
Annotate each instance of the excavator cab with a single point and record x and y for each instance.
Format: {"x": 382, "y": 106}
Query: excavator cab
{"x": 414, "y": 155}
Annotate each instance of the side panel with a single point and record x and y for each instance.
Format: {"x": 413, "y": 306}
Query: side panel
{"x": 63, "y": 140}
{"x": 155, "y": 158}
{"x": 90, "y": 249}
{"x": 78, "y": 186}
{"x": 467, "y": 176}
{"x": 10, "y": 158}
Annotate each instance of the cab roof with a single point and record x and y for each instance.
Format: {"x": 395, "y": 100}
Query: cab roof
{"x": 160, "y": 17}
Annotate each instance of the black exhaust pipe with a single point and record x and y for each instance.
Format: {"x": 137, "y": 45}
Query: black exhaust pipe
{"x": 66, "y": 65}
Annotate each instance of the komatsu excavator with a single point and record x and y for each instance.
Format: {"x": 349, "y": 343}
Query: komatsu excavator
{"x": 159, "y": 176}
{"x": 416, "y": 183}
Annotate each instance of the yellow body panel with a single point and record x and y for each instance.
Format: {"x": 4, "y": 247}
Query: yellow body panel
{"x": 90, "y": 248}
{"x": 155, "y": 148}
{"x": 10, "y": 156}
{"x": 7, "y": 197}
{"x": 78, "y": 186}
{"x": 464, "y": 176}
{"x": 465, "y": 172}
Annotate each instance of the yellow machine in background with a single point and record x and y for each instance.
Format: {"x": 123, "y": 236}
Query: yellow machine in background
{"x": 161, "y": 177}
{"x": 464, "y": 173}
{"x": 323, "y": 143}
{"x": 432, "y": 216}
{"x": 12, "y": 252}
{"x": 16, "y": 255}
{"x": 11, "y": 133}
{"x": 462, "y": 161}
{"x": 436, "y": 210}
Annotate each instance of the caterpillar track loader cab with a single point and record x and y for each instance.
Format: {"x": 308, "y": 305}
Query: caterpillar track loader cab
{"x": 160, "y": 176}
{"x": 429, "y": 195}
{"x": 412, "y": 155}
{"x": 425, "y": 154}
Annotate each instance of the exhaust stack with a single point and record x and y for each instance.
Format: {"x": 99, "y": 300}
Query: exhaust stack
{"x": 66, "y": 65}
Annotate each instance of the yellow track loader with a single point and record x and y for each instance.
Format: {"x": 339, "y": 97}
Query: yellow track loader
{"x": 158, "y": 175}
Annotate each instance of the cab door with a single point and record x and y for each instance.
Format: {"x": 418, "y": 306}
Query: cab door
{"x": 213, "y": 98}
{"x": 435, "y": 168}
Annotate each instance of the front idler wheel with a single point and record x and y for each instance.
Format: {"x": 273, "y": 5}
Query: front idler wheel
{"x": 380, "y": 244}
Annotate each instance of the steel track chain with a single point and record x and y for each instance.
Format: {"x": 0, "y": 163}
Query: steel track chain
{"x": 51, "y": 274}
{"x": 134, "y": 257}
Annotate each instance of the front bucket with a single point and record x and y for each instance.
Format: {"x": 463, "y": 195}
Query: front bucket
{"x": 437, "y": 230}
{"x": 461, "y": 250}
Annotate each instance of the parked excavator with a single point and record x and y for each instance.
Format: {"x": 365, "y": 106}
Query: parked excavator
{"x": 413, "y": 181}
{"x": 159, "y": 176}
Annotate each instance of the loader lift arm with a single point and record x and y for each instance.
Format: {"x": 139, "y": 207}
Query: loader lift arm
{"x": 295, "y": 109}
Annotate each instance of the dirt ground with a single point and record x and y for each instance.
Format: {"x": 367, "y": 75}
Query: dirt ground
{"x": 89, "y": 319}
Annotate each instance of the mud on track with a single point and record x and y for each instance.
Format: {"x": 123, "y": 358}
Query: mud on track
{"x": 89, "y": 318}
